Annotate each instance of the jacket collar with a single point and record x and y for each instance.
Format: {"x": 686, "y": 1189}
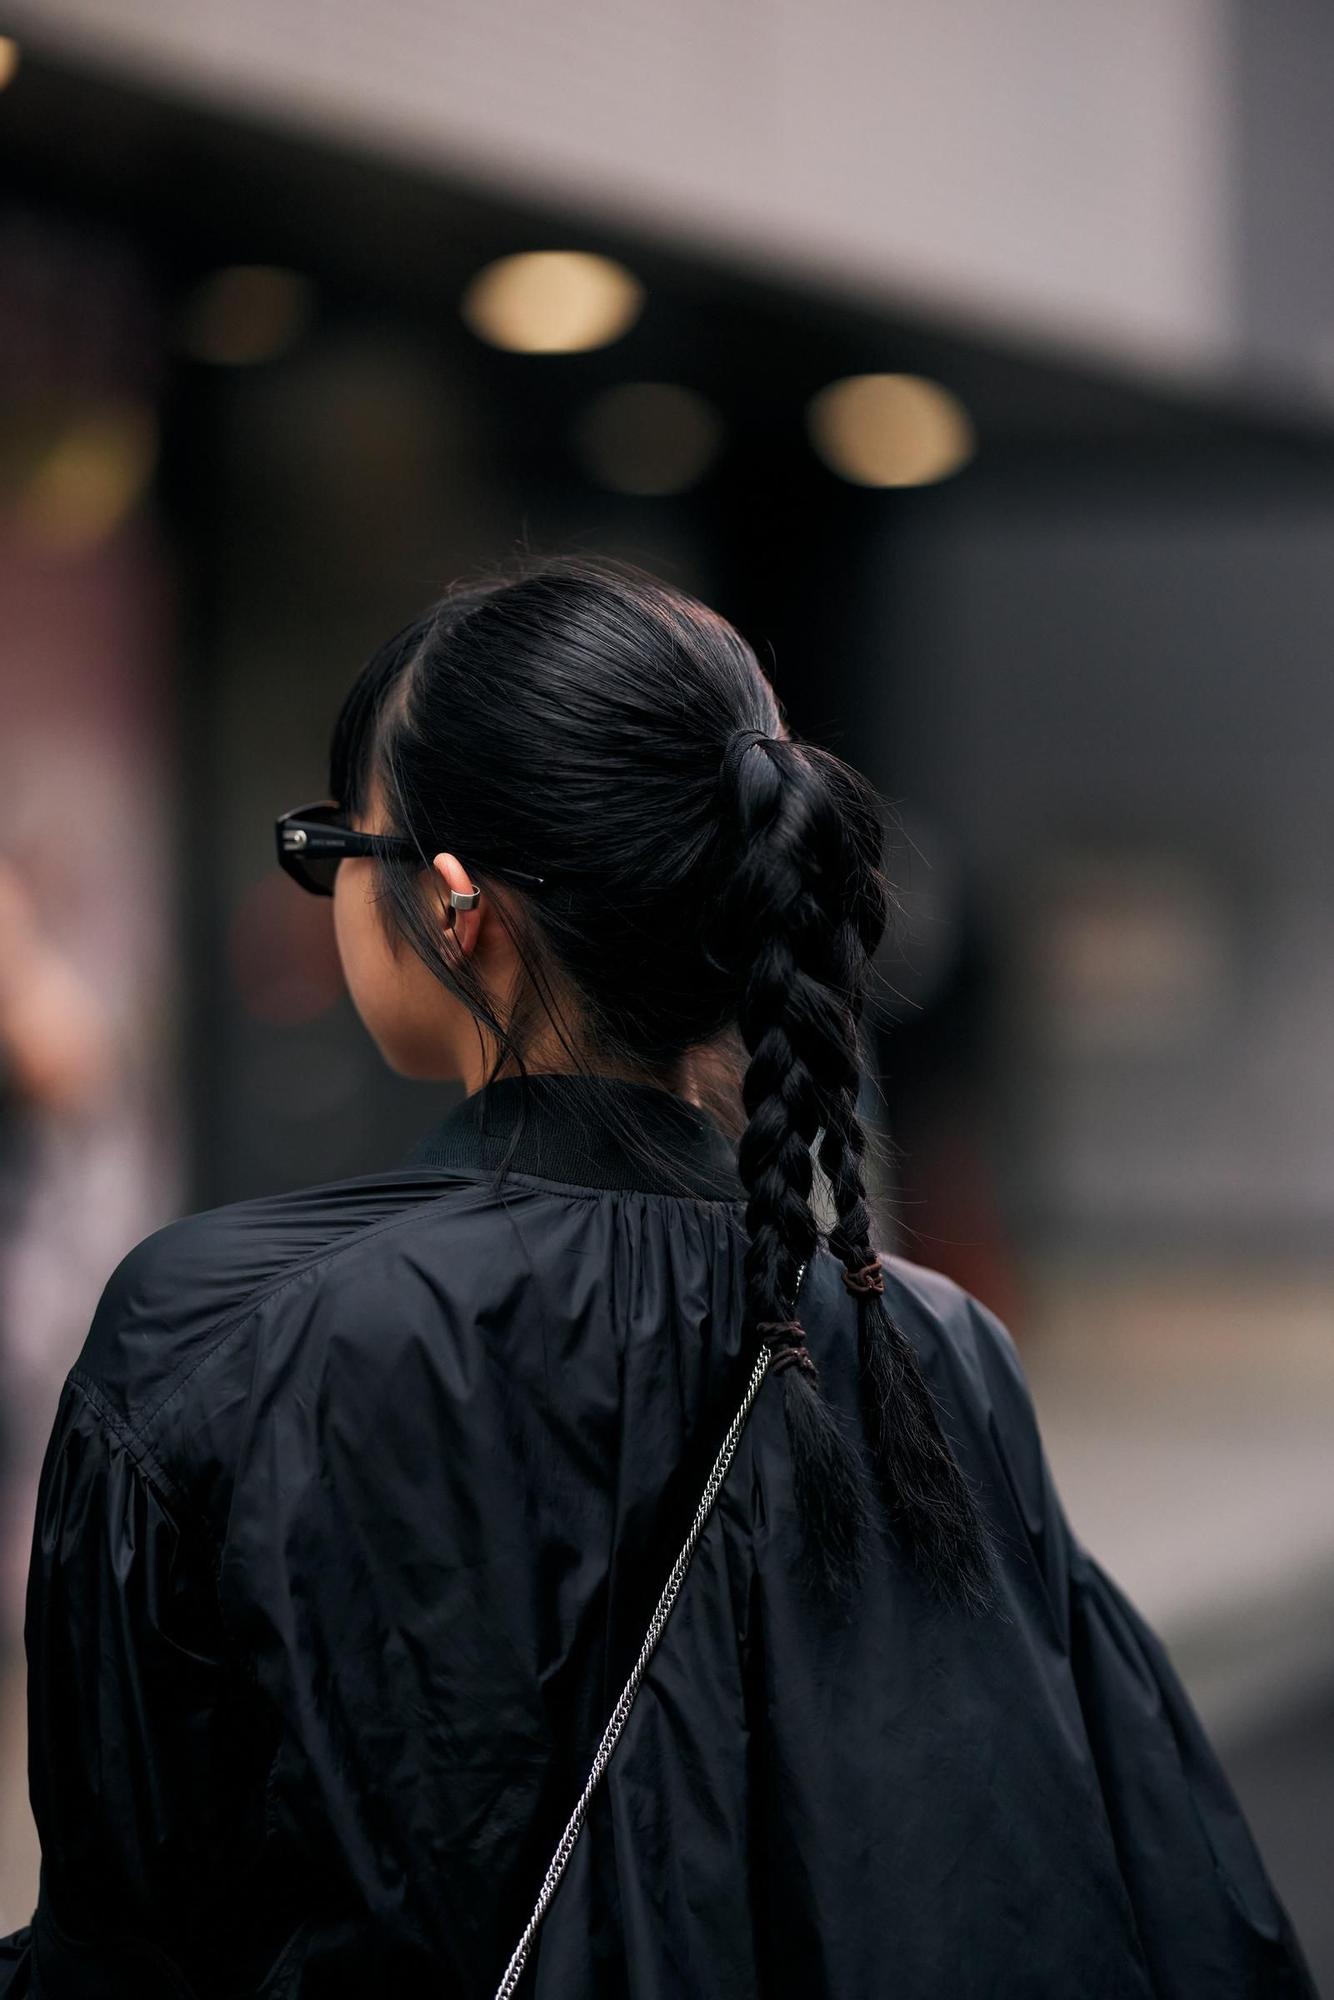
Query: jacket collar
{"x": 572, "y": 1128}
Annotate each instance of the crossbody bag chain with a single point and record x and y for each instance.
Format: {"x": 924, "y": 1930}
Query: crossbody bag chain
{"x": 602, "y": 1756}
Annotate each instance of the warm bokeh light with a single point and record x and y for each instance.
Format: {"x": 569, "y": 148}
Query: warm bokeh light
{"x": 245, "y": 314}
{"x": 83, "y": 472}
{"x": 648, "y": 437}
{"x": 9, "y": 60}
{"x": 552, "y": 301}
{"x": 890, "y": 430}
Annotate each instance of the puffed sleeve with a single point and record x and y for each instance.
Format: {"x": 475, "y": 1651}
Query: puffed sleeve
{"x": 145, "y": 1780}
{"x": 1208, "y": 1917}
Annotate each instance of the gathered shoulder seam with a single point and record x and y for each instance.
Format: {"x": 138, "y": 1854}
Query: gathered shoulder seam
{"x": 254, "y": 1302}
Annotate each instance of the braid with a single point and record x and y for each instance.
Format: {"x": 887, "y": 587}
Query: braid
{"x": 924, "y": 1487}
{"x": 926, "y": 1491}
{"x": 789, "y": 1015}
{"x": 805, "y": 911}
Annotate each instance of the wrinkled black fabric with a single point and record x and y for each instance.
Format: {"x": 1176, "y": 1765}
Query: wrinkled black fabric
{"x": 353, "y": 1514}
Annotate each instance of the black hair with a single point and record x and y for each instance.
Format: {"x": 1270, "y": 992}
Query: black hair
{"x": 708, "y": 896}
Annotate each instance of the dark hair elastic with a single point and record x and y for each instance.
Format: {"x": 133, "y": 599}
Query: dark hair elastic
{"x": 870, "y": 1278}
{"x": 786, "y": 1342}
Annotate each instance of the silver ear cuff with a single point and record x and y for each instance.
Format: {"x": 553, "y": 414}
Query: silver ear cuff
{"x": 465, "y": 899}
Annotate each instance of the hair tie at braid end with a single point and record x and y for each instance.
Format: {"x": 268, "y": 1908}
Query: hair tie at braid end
{"x": 870, "y": 1278}
{"x": 786, "y": 1357}
{"x": 786, "y": 1342}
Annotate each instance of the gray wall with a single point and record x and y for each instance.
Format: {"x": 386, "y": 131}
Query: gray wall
{"x": 1282, "y": 89}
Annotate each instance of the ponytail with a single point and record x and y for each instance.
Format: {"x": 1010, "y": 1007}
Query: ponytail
{"x": 560, "y": 725}
{"x": 804, "y": 910}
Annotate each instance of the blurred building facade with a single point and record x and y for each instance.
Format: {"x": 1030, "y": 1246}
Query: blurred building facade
{"x": 1061, "y": 171}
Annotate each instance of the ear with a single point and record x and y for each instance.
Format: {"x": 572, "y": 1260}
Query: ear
{"x": 463, "y": 925}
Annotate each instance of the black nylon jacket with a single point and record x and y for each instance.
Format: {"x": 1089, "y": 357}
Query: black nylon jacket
{"x": 355, "y": 1509}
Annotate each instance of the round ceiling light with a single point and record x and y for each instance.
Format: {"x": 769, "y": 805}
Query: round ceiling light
{"x": 890, "y": 430}
{"x": 648, "y": 437}
{"x": 552, "y": 302}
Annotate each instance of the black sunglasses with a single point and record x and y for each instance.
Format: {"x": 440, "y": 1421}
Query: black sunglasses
{"x": 313, "y": 839}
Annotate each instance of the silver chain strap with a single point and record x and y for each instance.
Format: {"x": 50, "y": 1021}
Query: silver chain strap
{"x": 602, "y": 1757}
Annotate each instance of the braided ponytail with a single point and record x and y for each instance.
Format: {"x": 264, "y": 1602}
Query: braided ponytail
{"x": 622, "y": 688}
{"x": 804, "y": 911}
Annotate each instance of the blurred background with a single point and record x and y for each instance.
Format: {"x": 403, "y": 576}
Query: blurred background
{"x": 978, "y": 362}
